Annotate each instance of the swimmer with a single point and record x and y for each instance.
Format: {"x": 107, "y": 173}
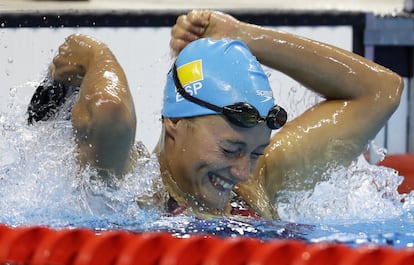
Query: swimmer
{"x": 217, "y": 153}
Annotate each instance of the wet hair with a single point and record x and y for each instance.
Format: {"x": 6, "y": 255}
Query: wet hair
{"x": 47, "y": 100}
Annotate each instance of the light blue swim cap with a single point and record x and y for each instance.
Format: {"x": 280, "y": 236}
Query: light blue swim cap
{"x": 221, "y": 72}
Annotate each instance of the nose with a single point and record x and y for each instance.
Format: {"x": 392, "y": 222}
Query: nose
{"x": 241, "y": 169}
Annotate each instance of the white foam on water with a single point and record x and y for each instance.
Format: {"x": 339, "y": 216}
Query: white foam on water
{"x": 360, "y": 193}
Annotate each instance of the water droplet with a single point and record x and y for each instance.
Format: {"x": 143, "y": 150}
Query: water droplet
{"x": 13, "y": 91}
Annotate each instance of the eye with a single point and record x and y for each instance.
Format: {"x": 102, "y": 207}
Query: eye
{"x": 231, "y": 152}
{"x": 255, "y": 156}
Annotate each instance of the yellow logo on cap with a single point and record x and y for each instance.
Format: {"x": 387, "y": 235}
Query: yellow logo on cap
{"x": 190, "y": 72}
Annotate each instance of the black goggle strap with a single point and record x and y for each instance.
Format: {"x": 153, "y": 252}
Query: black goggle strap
{"x": 187, "y": 96}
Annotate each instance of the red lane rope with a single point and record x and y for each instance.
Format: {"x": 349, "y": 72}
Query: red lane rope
{"x": 403, "y": 163}
{"x": 41, "y": 245}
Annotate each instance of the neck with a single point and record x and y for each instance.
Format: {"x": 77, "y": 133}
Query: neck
{"x": 161, "y": 150}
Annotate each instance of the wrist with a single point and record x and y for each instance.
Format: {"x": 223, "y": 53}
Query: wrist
{"x": 95, "y": 53}
{"x": 245, "y": 32}
{"x": 86, "y": 50}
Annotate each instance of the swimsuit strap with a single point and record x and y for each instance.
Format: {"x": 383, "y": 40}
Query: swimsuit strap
{"x": 174, "y": 208}
{"x": 239, "y": 207}
{"x": 242, "y": 208}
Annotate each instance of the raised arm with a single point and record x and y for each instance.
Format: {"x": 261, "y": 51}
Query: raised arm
{"x": 360, "y": 96}
{"x": 104, "y": 117}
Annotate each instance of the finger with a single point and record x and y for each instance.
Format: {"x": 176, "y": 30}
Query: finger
{"x": 59, "y": 60}
{"x": 200, "y": 18}
{"x": 183, "y": 22}
{"x": 177, "y": 45}
{"x": 68, "y": 76}
{"x": 63, "y": 49}
{"x": 51, "y": 69}
{"x": 178, "y": 32}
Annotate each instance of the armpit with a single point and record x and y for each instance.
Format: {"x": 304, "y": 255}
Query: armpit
{"x": 306, "y": 170}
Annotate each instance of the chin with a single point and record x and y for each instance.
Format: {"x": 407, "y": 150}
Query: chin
{"x": 214, "y": 202}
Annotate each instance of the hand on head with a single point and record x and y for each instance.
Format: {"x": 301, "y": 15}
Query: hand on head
{"x": 200, "y": 24}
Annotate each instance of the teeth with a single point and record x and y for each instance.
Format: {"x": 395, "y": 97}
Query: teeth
{"x": 221, "y": 182}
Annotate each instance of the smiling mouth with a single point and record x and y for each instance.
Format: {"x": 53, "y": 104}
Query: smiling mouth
{"x": 220, "y": 183}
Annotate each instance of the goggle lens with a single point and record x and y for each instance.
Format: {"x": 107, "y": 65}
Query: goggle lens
{"x": 276, "y": 117}
{"x": 245, "y": 115}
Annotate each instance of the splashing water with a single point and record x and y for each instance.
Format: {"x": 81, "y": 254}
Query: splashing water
{"x": 41, "y": 184}
{"x": 362, "y": 192}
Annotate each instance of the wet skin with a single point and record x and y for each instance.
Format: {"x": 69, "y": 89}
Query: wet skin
{"x": 359, "y": 95}
{"x": 208, "y": 156}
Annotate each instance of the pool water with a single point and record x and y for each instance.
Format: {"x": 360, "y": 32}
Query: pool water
{"x": 40, "y": 184}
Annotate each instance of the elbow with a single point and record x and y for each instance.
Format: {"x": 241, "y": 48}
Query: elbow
{"x": 395, "y": 87}
{"x": 387, "y": 96}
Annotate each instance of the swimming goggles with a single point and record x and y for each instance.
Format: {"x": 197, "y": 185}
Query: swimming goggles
{"x": 241, "y": 114}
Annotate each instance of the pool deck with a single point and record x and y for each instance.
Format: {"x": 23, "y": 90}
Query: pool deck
{"x": 386, "y": 7}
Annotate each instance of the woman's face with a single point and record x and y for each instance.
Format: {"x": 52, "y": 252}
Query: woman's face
{"x": 210, "y": 156}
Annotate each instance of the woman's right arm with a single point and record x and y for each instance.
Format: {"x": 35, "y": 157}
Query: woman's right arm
{"x": 104, "y": 116}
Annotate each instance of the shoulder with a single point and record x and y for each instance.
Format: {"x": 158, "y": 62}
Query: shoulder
{"x": 256, "y": 198}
